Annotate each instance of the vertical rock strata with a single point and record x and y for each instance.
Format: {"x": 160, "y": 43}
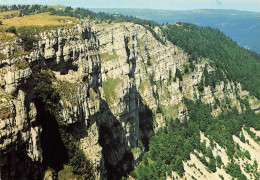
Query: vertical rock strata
{"x": 111, "y": 79}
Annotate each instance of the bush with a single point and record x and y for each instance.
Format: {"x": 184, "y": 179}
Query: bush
{"x": 149, "y": 62}
{"x": 11, "y": 29}
{"x": 178, "y": 74}
{"x": 28, "y": 36}
{"x": 234, "y": 170}
{"x": 21, "y": 64}
{"x": 159, "y": 109}
{"x": 186, "y": 69}
{"x": 219, "y": 161}
{"x": 201, "y": 86}
{"x": 247, "y": 155}
{"x": 1, "y": 22}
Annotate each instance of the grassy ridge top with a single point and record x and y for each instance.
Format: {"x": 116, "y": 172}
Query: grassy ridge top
{"x": 41, "y": 19}
{"x": 28, "y": 27}
{"x": 6, "y": 15}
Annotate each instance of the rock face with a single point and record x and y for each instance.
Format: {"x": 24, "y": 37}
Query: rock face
{"x": 116, "y": 84}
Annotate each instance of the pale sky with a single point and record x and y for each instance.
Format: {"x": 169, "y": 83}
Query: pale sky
{"x": 248, "y": 5}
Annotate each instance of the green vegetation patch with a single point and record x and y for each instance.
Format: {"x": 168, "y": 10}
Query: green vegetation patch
{"x": 136, "y": 150}
{"x": 145, "y": 84}
{"x": 5, "y": 112}
{"x": 109, "y": 87}
{"x": 237, "y": 63}
{"x": 68, "y": 92}
{"x": 173, "y": 144}
{"x": 252, "y": 169}
{"x": 94, "y": 96}
{"x": 49, "y": 96}
{"x": 170, "y": 111}
{"x": 9, "y": 14}
{"x": 78, "y": 167}
{"x": 2, "y": 56}
{"x": 140, "y": 43}
{"x": 108, "y": 57}
{"x": 21, "y": 64}
{"x": 235, "y": 171}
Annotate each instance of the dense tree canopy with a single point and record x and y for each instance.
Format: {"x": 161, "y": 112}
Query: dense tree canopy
{"x": 173, "y": 144}
{"x": 237, "y": 63}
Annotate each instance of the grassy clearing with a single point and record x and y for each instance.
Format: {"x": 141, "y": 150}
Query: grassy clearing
{"x": 108, "y": 57}
{"x": 9, "y": 14}
{"x": 144, "y": 84}
{"x": 5, "y": 36}
{"x": 170, "y": 111}
{"x": 141, "y": 45}
{"x": 136, "y": 150}
{"x": 68, "y": 92}
{"x": 166, "y": 93}
{"x": 140, "y": 42}
{"x": 28, "y": 27}
{"x": 42, "y": 19}
{"x": 109, "y": 87}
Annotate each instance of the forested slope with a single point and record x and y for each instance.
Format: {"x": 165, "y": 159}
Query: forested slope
{"x": 237, "y": 63}
{"x": 173, "y": 145}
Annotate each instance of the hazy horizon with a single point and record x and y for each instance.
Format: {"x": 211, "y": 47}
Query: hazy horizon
{"x": 177, "y": 9}
{"x": 241, "y": 5}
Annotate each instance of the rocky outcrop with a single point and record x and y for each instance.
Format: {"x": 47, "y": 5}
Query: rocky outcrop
{"x": 116, "y": 85}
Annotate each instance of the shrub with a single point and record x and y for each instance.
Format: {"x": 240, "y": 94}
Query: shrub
{"x": 149, "y": 62}
{"x": 5, "y": 113}
{"x": 28, "y": 36}
{"x": 178, "y": 74}
{"x": 247, "y": 155}
{"x": 11, "y": 29}
{"x": 21, "y": 64}
{"x": 201, "y": 86}
{"x": 234, "y": 170}
{"x": 159, "y": 109}
{"x": 79, "y": 166}
{"x": 186, "y": 69}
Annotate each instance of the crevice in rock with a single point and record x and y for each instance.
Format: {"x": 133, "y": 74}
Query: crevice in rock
{"x": 55, "y": 153}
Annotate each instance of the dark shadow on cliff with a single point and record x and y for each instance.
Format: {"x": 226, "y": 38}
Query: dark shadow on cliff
{"x": 55, "y": 153}
{"x": 113, "y": 137}
{"x": 113, "y": 141}
{"x": 146, "y": 126}
{"x": 17, "y": 165}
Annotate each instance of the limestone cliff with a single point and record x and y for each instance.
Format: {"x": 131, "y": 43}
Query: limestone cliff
{"x": 113, "y": 81}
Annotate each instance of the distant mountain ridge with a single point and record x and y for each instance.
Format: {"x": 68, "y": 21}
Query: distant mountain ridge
{"x": 242, "y": 26}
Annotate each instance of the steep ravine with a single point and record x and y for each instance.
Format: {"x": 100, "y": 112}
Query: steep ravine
{"x": 110, "y": 81}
